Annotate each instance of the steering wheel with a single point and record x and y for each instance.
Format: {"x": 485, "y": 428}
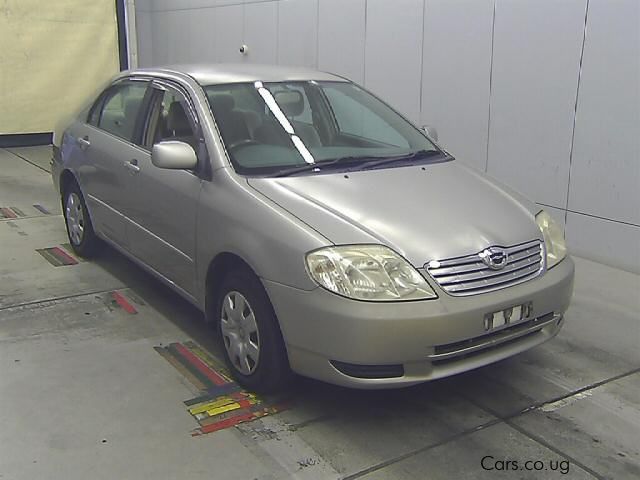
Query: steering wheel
{"x": 242, "y": 143}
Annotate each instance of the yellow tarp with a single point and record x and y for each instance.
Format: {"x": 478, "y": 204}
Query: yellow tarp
{"x": 53, "y": 55}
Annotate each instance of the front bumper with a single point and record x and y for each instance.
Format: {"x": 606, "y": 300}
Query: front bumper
{"x": 429, "y": 339}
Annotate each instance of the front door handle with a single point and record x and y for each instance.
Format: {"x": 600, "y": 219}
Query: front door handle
{"x": 83, "y": 142}
{"x": 132, "y": 165}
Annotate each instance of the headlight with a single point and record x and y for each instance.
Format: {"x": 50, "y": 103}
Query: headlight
{"x": 367, "y": 272}
{"x": 553, "y": 238}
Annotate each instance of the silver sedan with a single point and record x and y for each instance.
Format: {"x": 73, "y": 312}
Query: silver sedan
{"x": 320, "y": 231}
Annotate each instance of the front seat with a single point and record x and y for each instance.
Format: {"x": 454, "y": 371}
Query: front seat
{"x": 231, "y": 122}
{"x": 178, "y": 126}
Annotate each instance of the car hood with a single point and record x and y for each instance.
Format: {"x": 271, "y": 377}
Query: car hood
{"x": 425, "y": 212}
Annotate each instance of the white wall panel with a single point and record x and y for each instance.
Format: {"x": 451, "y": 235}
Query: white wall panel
{"x": 160, "y": 26}
{"x": 605, "y": 171}
{"x": 227, "y": 33}
{"x": 179, "y": 36}
{"x": 143, "y": 34}
{"x": 298, "y": 32}
{"x": 613, "y": 243}
{"x": 144, "y": 5}
{"x": 455, "y": 78}
{"x": 393, "y": 53}
{"x": 261, "y": 32}
{"x": 341, "y": 33}
{"x": 202, "y": 34}
{"x": 536, "y": 58}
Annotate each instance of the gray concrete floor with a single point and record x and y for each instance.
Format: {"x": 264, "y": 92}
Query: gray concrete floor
{"x": 84, "y": 395}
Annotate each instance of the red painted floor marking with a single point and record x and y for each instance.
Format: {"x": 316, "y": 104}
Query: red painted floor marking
{"x": 200, "y": 365}
{"x": 124, "y": 303}
{"x": 228, "y": 422}
{"x": 7, "y": 213}
{"x": 64, "y": 256}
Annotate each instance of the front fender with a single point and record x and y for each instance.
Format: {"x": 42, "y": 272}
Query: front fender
{"x": 234, "y": 218}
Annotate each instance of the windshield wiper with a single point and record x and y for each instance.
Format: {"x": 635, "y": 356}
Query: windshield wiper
{"x": 322, "y": 165}
{"x": 365, "y": 161}
{"x": 419, "y": 155}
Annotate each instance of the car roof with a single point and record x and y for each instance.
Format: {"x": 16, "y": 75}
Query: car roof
{"x": 216, "y": 74}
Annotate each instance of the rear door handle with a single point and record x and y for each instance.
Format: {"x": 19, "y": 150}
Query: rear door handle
{"x": 83, "y": 142}
{"x": 132, "y": 165}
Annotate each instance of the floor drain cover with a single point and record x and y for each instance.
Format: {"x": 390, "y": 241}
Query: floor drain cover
{"x": 58, "y": 256}
{"x": 11, "y": 212}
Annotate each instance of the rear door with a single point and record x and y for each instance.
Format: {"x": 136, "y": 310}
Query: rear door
{"x": 165, "y": 202}
{"x": 107, "y": 174}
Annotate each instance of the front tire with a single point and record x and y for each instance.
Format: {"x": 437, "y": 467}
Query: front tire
{"x": 254, "y": 349}
{"x": 82, "y": 237}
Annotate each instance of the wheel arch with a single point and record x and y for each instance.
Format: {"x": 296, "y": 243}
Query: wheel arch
{"x": 67, "y": 178}
{"x": 223, "y": 263}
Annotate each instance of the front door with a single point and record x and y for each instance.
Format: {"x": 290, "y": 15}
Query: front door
{"x": 162, "y": 231}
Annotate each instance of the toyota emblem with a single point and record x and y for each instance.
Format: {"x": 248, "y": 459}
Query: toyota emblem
{"x": 494, "y": 257}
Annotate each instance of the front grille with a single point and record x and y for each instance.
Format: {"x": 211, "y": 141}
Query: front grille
{"x": 469, "y": 275}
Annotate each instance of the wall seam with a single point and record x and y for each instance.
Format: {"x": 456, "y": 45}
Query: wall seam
{"x": 493, "y": 34}
{"x": 317, "y": 62}
{"x": 364, "y": 44}
{"x": 575, "y": 111}
{"x": 424, "y": 13}
{"x": 244, "y": 28}
{"x": 278, "y": 32}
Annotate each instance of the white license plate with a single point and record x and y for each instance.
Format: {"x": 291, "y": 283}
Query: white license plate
{"x": 505, "y": 317}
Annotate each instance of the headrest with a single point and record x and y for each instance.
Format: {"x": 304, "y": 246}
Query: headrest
{"x": 177, "y": 120}
{"x": 291, "y": 102}
{"x": 222, "y": 102}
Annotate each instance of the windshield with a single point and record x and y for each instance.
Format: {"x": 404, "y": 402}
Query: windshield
{"x": 294, "y": 127}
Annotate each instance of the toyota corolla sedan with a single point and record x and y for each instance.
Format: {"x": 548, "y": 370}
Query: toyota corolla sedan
{"x": 320, "y": 231}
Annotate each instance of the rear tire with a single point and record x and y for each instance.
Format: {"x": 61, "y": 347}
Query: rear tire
{"x": 254, "y": 349}
{"x": 82, "y": 237}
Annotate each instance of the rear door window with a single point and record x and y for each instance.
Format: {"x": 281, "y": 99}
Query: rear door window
{"x": 119, "y": 109}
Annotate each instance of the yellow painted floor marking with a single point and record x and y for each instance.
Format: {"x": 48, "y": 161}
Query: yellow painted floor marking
{"x": 219, "y": 402}
{"x": 226, "y": 408}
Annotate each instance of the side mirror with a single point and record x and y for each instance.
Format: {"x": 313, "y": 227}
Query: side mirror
{"x": 174, "y": 155}
{"x": 431, "y": 132}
